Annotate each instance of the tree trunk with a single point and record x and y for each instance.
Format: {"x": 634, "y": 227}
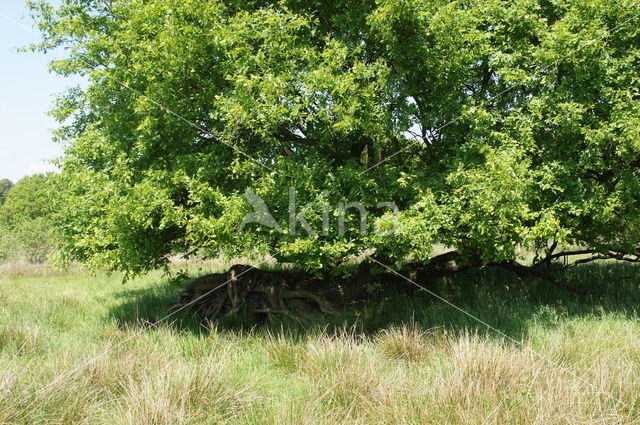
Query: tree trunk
{"x": 259, "y": 292}
{"x": 300, "y": 294}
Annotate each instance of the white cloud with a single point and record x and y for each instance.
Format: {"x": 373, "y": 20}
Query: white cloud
{"x": 41, "y": 167}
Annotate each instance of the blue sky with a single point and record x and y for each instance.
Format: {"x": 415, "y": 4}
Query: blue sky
{"x": 27, "y": 92}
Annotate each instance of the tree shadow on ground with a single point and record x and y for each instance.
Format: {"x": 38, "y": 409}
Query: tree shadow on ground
{"x": 151, "y": 307}
{"x": 475, "y": 300}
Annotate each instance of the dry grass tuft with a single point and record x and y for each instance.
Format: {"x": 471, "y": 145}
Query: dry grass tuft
{"x": 407, "y": 342}
{"x": 589, "y": 371}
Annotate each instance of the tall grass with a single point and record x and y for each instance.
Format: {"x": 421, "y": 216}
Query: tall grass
{"x": 405, "y": 360}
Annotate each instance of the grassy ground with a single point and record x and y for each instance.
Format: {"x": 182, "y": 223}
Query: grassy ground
{"x": 73, "y": 349}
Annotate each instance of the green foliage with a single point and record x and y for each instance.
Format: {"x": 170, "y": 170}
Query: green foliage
{"x": 26, "y": 227}
{"x": 394, "y": 360}
{"x": 33, "y": 240}
{"x": 517, "y": 124}
{"x": 5, "y": 186}
{"x": 31, "y": 198}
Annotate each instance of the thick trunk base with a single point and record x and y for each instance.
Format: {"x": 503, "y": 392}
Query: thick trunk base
{"x": 299, "y": 294}
{"x": 258, "y": 292}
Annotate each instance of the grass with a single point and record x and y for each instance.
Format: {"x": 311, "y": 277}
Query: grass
{"x": 404, "y": 360}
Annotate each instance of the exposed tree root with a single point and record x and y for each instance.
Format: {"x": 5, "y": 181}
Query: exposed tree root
{"x": 260, "y": 292}
{"x": 298, "y": 294}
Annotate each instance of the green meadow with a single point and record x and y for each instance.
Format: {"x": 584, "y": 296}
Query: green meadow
{"x": 77, "y": 348}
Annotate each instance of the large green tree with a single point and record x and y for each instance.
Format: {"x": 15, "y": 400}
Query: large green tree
{"x": 30, "y": 198}
{"x": 26, "y": 227}
{"x": 5, "y": 186}
{"x": 493, "y": 125}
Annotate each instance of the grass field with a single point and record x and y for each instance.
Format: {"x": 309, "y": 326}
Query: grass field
{"x": 75, "y": 349}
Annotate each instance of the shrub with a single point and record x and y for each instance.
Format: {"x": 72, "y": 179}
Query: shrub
{"x": 27, "y": 232}
{"x": 31, "y": 240}
{"x": 5, "y": 186}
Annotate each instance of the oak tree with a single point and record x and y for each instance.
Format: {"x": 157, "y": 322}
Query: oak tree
{"x": 496, "y": 127}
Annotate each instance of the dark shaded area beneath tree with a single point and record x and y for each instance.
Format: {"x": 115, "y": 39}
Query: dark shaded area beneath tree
{"x": 493, "y": 295}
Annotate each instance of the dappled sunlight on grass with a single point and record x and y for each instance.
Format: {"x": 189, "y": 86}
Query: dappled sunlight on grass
{"x": 391, "y": 360}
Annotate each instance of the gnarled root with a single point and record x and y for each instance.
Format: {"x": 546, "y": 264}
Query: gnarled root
{"x": 299, "y": 294}
{"x": 245, "y": 288}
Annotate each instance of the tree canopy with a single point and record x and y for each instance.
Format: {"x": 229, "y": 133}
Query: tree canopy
{"x": 5, "y": 186}
{"x": 26, "y": 228}
{"x": 492, "y": 126}
{"x": 30, "y": 198}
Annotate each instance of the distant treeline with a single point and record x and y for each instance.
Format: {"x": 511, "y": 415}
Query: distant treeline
{"x": 26, "y": 225}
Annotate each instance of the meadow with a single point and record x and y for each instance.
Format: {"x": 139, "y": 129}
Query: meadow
{"x": 77, "y": 348}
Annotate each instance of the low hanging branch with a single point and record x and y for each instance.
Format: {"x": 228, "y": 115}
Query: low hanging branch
{"x": 536, "y": 270}
{"x": 525, "y": 271}
{"x": 593, "y": 255}
{"x": 554, "y": 256}
{"x": 610, "y": 256}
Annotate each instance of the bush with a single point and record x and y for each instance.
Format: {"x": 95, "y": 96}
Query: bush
{"x": 30, "y": 240}
{"x": 5, "y": 185}
{"x": 30, "y": 198}
{"x": 27, "y": 232}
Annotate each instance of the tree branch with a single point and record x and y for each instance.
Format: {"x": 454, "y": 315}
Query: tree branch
{"x": 552, "y": 256}
{"x": 522, "y": 271}
{"x": 610, "y": 256}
